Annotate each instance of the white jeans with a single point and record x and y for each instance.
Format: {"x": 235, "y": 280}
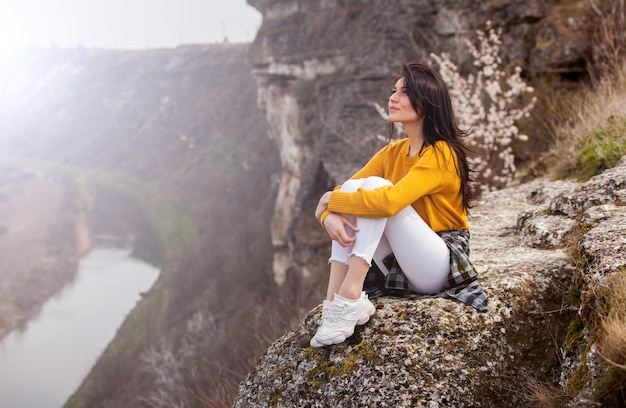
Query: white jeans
{"x": 423, "y": 256}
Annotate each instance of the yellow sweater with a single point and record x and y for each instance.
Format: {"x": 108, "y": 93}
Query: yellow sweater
{"x": 428, "y": 181}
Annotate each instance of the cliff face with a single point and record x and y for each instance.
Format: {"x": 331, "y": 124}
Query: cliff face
{"x": 321, "y": 66}
{"x": 440, "y": 353}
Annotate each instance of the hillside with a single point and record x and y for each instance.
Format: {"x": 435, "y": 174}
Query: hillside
{"x": 179, "y": 132}
{"x": 324, "y": 66}
{"x": 40, "y": 241}
{"x": 154, "y": 115}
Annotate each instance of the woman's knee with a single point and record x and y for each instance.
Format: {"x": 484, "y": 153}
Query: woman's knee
{"x": 351, "y": 186}
{"x": 368, "y": 183}
{"x": 374, "y": 182}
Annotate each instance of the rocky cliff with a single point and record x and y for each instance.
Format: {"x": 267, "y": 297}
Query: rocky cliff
{"x": 538, "y": 247}
{"x": 320, "y": 67}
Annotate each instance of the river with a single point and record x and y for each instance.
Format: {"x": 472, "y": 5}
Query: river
{"x": 45, "y": 361}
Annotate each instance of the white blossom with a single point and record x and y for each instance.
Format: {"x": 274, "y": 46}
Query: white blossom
{"x": 487, "y": 102}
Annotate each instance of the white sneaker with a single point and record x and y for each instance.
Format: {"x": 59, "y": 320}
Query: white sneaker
{"x": 325, "y": 308}
{"x": 340, "y": 319}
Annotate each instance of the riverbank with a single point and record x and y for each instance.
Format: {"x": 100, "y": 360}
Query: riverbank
{"x": 42, "y": 236}
{"x": 48, "y": 212}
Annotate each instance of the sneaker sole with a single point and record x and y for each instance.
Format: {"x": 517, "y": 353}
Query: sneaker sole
{"x": 341, "y": 337}
{"x": 315, "y": 343}
{"x": 366, "y": 317}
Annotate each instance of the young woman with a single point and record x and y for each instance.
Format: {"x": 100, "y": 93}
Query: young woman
{"x": 405, "y": 210}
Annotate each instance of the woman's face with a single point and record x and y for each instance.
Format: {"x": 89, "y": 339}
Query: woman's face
{"x": 400, "y": 108}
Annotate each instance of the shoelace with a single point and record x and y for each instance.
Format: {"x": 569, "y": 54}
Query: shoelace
{"x": 333, "y": 313}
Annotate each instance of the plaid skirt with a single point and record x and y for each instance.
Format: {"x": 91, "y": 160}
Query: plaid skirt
{"x": 462, "y": 283}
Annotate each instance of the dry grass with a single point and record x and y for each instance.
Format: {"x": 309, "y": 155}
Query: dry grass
{"x": 612, "y": 341}
{"x": 590, "y": 131}
{"x": 613, "y": 345}
{"x": 544, "y": 395}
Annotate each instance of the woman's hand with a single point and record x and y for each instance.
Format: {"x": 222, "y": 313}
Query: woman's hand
{"x": 337, "y": 228}
{"x": 335, "y": 225}
{"x": 322, "y": 205}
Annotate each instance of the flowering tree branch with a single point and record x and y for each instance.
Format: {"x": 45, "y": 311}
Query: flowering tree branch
{"x": 487, "y": 102}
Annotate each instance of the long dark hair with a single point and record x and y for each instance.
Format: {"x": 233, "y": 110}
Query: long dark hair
{"x": 429, "y": 97}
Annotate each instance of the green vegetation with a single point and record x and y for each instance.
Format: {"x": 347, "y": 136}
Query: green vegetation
{"x": 325, "y": 369}
{"x": 602, "y": 147}
{"x": 175, "y": 223}
{"x": 589, "y": 130}
{"x": 83, "y": 200}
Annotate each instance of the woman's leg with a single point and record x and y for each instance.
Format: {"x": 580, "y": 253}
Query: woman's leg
{"x": 349, "y": 265}
{"x": 340, "y": 256}
{"x": 368, "y": 238}
{"x": 338, "y": 273}
{"x": 381, "y": 252}
{"x": 352, "y": 285}
{"x": 423, "y": 256}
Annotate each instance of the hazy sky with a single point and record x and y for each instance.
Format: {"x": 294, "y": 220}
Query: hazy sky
{"x": 125, "y": 23}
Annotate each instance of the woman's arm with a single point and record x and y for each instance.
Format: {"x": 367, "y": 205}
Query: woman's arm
{"x": 434, "y": 172}
{"x": 337, "y": 224}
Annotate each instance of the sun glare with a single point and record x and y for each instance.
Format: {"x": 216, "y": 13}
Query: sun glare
{"x": 8, "y": 54}
{"x": 11, "y": 40}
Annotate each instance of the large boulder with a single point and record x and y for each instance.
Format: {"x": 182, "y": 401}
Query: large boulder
{"x": 438, "y": 352}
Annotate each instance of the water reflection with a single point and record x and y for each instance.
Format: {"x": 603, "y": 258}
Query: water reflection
{"x": 45, "y": 362}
